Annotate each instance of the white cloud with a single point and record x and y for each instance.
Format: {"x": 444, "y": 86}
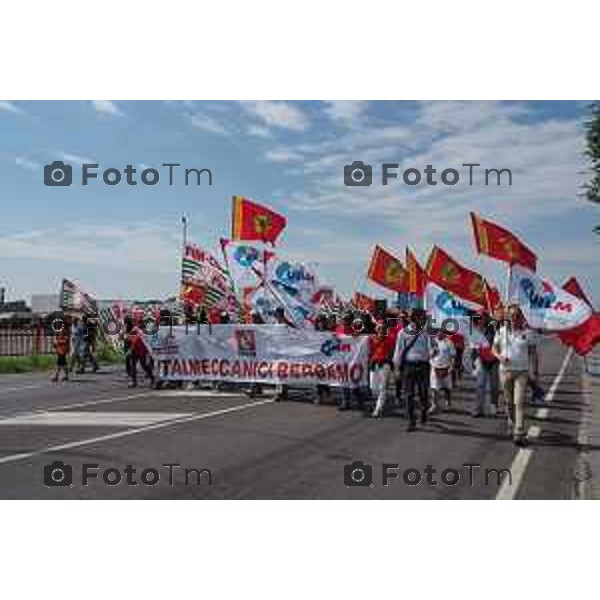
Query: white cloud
{"x": 21, "y": 161}
{"x": 10, "y": 106}
{"x": 258, "y": 131}
{"x": 282, "y": 155}
{"x": 74, "y": 158}
{"x": 107, "y": 107}
{"x": 147, "y": 248}
{"x": 348, "y": 112}
{"x": 207, "y": 123}
{"x": 277, "y": 114}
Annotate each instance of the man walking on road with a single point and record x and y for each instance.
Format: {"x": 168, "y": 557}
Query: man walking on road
{"x": 411, "y": 359}
{"x": 137, "y": 353}
{"x": 513, "y": 347}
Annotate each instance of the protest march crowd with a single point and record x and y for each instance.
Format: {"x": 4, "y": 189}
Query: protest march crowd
{"x": 256, "y": 320}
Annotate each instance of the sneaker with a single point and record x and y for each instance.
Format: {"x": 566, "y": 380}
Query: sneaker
{"x": 520, "y": 441}
{"x": 412, "y": 426}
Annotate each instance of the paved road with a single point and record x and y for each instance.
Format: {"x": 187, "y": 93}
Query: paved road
{"x": 255, "y": 448}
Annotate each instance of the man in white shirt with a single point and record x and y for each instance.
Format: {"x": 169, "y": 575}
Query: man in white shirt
{"x": 513, "y": 346}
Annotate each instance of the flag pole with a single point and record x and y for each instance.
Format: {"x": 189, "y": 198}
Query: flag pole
{"x": 184, "y": 224}
{"x": 507, "y": 289}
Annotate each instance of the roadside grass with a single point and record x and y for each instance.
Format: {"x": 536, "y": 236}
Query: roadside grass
{"x": 26, "y": 364}
{"x": 46, "y": 362}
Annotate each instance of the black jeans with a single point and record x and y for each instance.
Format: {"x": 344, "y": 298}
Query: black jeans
{"x": 146, "y": 364}
{"x": 415, "y": 376}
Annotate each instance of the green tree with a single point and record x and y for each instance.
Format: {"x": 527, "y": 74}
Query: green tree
{"x": 592, "y": 136}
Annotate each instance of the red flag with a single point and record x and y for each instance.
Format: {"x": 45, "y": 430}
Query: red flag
{"x": 363, "y": 302}
{"x": 452, "y": 276}
{"x": 252, "y": 221}
{"x": 584, "y": 337}
{"x": 387, "y": 271}
{"x": 416, "y": 274}
{"x": 192, "y": 294}
{"x": 499, "y": 243}
{"x": 572, "y": 286}
{"x": 492, "y": 296}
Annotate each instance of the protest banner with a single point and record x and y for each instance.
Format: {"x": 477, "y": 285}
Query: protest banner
{"x": 259, "y": 354}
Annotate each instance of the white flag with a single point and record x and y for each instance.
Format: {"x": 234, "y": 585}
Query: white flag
{"x": 245, "y": 263}
{"x": 544, "y": 304}
{"x": 443, "y": 308}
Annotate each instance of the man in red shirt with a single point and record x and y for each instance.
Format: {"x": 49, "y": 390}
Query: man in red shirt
{"x": 138, "y": 353}
{"x": 458, "y": 341}
{"x": 380, "y": 361}
{"x": 61, "y": 347}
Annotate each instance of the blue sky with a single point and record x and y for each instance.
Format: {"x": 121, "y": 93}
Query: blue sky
{"x": 124, "y": 241}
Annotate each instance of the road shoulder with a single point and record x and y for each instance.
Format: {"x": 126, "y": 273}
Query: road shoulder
{"x": 587, "y": 474}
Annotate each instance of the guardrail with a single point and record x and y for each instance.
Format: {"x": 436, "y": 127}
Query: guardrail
{"x": 593, "y": 362}
{"x": 25, "y": 342}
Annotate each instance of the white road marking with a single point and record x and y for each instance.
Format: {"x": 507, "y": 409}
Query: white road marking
{"x": 101, "y": 400}
{"x": 523, "y": 456}
{"x": 128, "y": 432}
{"x": 199, "y": 394}
{"x": 95, "y": 419}
{"x": 22, "y": 387}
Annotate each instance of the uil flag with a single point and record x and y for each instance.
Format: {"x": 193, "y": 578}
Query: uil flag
{"x": 245, "y": 263}
{"x": 452, "y": 276}
{"x": 499, "y": 243}
{"x": 448, "y": 311}
{"x": 416, "y": 275}
{"x": 544, "y": 304}
{"x": 387, "y": 271}
{"x": 254, "y": 222}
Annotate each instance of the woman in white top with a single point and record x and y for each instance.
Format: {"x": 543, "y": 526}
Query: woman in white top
{"x": 441, "y": 361}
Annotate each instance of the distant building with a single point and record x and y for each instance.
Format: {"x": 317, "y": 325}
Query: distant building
{"x": 14, "y": 306}
{"x": 44, "y": 304}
